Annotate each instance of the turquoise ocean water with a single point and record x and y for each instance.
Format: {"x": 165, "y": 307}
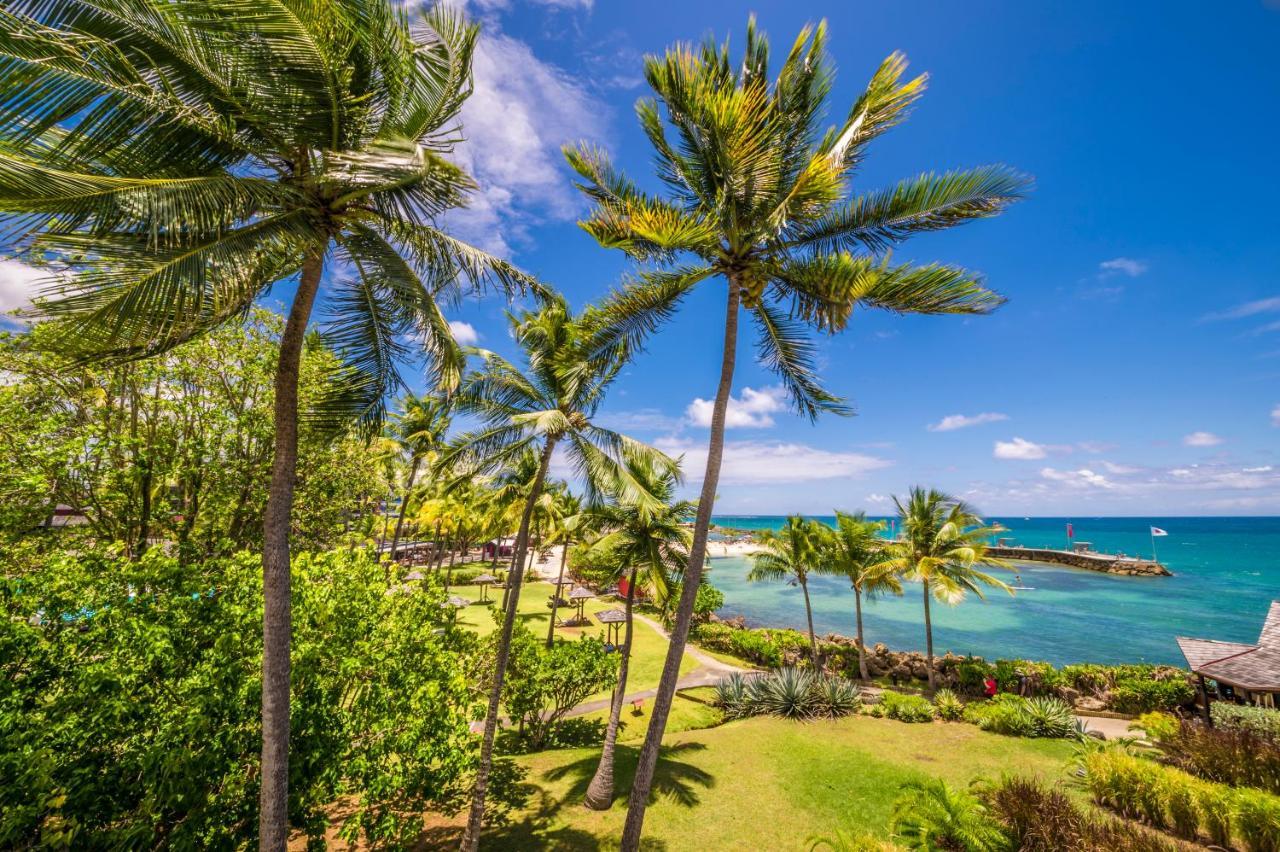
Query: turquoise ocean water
{"x": 1226, "y": 573}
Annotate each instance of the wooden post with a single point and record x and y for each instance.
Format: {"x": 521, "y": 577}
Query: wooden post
{"x": 1204, "y": 697}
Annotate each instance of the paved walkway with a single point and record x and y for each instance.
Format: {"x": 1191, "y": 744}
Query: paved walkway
{"x": 708, "y": 673}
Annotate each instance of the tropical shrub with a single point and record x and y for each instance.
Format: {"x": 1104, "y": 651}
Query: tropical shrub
{"x": 906, "y": 708}
{"x": 1134, "y": 695}
{"x": 841, "y": 842}
{"x": 767, "y": 648}
{"x": 972, "y": 674}
{"x": 1157, "y": 725}
{"x": 1231, "y": 756}
{"x": 789, "y": 692}
{"x": 1259, "y": 721}
{"x": 1036, "y": 818}
{"x": 948, "y": 706}
{"x": 543, "y": 684}
{"x": 1012, "y": 715}
{"x": 1257, "y": 820}
{"x": 731, "y": 696}
{"x": 130, "y": 714}
{"x": 930, "y": 815}
{"x": 1164, "y": 796}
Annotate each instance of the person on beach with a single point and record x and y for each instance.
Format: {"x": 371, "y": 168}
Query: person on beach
{"x": 989, "y": 687}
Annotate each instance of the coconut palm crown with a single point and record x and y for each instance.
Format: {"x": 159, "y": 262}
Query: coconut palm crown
{"x": 758, "y": 195}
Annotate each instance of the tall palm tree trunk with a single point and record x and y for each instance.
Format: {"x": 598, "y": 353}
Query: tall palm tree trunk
{"x": 643, "y": 783}
{"x": 475, "y": 820}
{"x": 555, "y": 596}
{"x": 862, "y": 644}
{"x": 928, "y": 636}
{"x": 404, "y": 506}
{"x": 273, "y": 828}
{"x": 808, "y": 614}
{"x": 600, "y": 792}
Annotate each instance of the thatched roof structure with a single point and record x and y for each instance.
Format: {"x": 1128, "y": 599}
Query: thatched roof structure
{"x": 611, "y": 616}
{"x": 581, "y": 593}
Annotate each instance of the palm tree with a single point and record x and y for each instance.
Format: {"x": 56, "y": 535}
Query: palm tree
{"x": 571, "y": 361}
{"x": 648, "y": 543}
{"x": 759, "y": 198}
{"x": 942, "y": 541}
{"x": 180, "y": 159}
{"x": 855, "y": 550}
{"x": 419, "y": 429}
{"x": 568, "y": 526}
{"x": 790, "y": 554}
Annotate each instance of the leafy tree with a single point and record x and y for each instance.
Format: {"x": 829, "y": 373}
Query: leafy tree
{"x": 942, "y": 542}
{"x": 758, "y": 197}
{"x": 129, "y": 717}
{"x": 790, "y": 554}
{"x": 647, "y": 540}
{"x": 420, "y": 428}
{"x": 571, "y": 361}
{"x": 179, "y": 159}
{"x": 543, "y": 684}
{"x": 855, "y": 550}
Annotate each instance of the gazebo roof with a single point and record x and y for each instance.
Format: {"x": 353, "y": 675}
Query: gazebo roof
{"x": 458, "y": 601}
{"x": 581, "y": 593}
{"x": 611, "y": 616}
{"x": 485, "y": 578}
{"x": 1252, "y": 667}
{"x": 415, "y": 575}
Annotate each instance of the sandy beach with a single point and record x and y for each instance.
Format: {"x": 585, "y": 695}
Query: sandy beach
{"x": 734, "y": 548}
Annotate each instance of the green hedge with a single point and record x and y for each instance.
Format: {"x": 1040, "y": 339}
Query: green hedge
{"x": 1172, "y": 800}
{"x": 1259, "y": 721}
{"x": 768, "y": 648}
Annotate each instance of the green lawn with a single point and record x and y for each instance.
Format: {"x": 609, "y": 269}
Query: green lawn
{"x": 762, "y": 783}
{"x": 648, "y": 650}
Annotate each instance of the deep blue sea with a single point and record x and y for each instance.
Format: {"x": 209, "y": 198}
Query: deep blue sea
{"x": 1226, "y": 573}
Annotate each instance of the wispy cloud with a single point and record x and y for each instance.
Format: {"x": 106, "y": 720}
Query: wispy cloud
{"x": 1123, "y": 266}
{"x": 1275, "y": 415}
{"x": 464, "y": 332}
{"x": 1019, "y": 449}
{"x": 1247, "y": 309}
{"x": 752, "y": 409}
{"x": 522, "y": 111}
{"x": 771, "y": 462}
{"x": 1201, "y": 439}
{"x": 1082, "y": 478}
{"x": 642, "y": 419}
{"x": 962, "y": 421}
{"x": 18, "y": 283}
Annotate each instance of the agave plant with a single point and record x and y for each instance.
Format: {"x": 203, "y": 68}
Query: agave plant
{"x": 837, "y": 696}
{"x": 789, "y": 692}
{"x": 732, "y": 694}
{"x": 1049, "y": 717}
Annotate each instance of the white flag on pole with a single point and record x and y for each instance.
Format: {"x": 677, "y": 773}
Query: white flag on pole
{"x": 1157, "y": 532}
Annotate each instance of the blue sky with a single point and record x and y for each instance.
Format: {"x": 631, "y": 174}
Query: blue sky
{"x": 1136, "y": 367}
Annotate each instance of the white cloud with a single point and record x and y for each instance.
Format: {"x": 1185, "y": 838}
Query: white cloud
{"x": 18, "y": 283}
{"x": 752, "y": 409}
{"x": 1275, "y": 415}
{"x": 962, "y": 421}
{"x": 1119, "y": 469}
{"x": 464, "y": 333}
{"x": 1124, "y": 265}
{"x": 879, "y": 499}
{"x": 1248, "y": 309}
{"x": 1020, "y": 449}
{"x": 770, "y": 462}
{"x": 522, "y": 110}
{"x": 1082, "y": 478}
{"x": 1201, "y": 439}
{"x": 1266, "y": 468}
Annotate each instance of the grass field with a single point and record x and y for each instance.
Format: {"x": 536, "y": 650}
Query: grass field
{"x": 761, "y": 783}
{"x": 648, "y": 651}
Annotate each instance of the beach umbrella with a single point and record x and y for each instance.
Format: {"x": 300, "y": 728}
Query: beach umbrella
{"x": 484, "y": 580}
{"x": 612, "y": 619}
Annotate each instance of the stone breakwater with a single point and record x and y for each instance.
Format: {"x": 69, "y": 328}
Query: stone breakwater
{"x": 1104, "y": 562}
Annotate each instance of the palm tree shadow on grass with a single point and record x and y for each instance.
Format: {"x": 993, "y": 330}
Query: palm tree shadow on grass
{"x": 676, "y": 780}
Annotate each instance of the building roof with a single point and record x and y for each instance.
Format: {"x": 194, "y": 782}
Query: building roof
{"x": 611, "y": 616}
{"x": 1252, "y": 667}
